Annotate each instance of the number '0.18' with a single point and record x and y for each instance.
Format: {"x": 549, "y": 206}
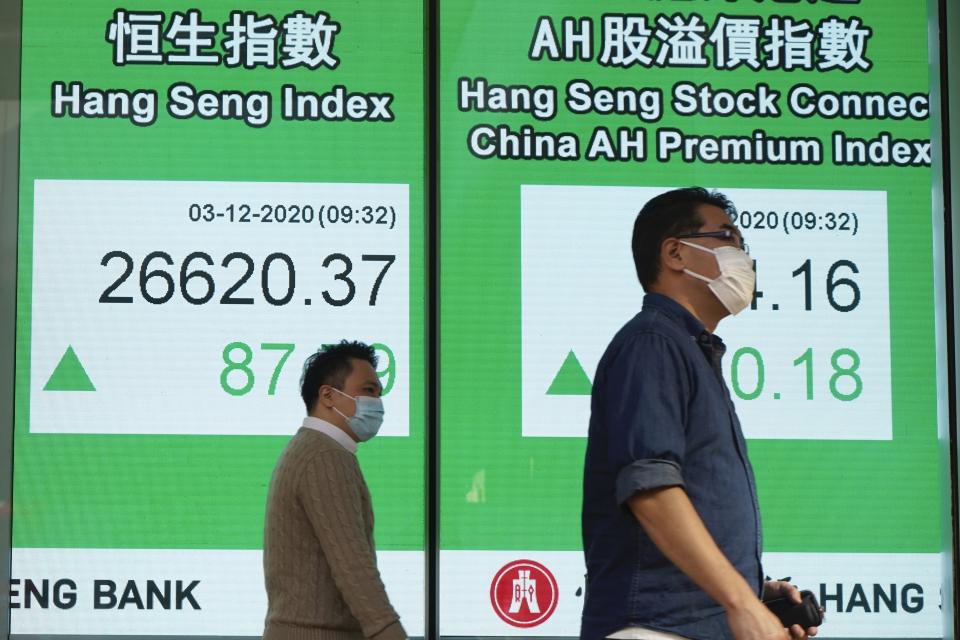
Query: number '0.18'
{"x": 845, "y": 383}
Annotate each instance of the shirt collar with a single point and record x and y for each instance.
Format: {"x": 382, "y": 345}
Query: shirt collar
{"x": 331, "y": 430}
{"x": 677, "y": 311}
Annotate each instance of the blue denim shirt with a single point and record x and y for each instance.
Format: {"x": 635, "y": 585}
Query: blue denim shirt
{"x": 661, "y": 415}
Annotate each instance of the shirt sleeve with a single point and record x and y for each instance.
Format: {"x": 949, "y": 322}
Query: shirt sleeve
{"x": 333, "y": 504}
{"x": 645, "y": 392}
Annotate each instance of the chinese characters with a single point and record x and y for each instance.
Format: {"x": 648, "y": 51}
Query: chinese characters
{"x": 731, "y": 42}
{"x": 249, "y": 40}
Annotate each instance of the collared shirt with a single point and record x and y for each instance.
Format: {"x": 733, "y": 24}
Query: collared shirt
{"x": 661, "y": 415}
{"x": 331, "y": 430}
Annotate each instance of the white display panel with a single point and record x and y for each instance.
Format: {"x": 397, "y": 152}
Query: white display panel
{"x": 820, "y": 330}
{"x": 348, "y": 251}
{"x": 865, "y": 595}
{"x": 109, "y": 591}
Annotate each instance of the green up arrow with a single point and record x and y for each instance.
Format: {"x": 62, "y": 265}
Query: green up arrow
{"x": 69, "y": 375}
{"x": 571, "y": 379}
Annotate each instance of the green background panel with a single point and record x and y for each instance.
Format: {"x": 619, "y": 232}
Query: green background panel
{"x": 815, "y": 496}
{"x": 159, "y": 492}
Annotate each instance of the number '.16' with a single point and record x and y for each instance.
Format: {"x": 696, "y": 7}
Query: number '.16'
{"x": 240, "y": 367}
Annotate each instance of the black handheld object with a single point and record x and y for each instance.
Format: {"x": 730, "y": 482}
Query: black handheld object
{"x": 806, "y": 614}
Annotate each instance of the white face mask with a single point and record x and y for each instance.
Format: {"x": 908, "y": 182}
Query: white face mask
{"x": 737, "y": 280}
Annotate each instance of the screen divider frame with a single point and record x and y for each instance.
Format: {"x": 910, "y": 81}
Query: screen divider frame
{"x": 944, "y": 19}
{"x": 10, "y": 20}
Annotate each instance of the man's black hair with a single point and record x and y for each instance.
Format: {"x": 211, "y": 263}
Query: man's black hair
{"x": 331, "y": 365}
{"x": 666, "y": 216}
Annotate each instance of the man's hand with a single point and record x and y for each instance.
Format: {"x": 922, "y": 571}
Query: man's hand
{"x": 754, "y": 621}
{"x": 779, "y": 589}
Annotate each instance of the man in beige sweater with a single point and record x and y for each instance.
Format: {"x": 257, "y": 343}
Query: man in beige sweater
{"x": 319, "y": 560}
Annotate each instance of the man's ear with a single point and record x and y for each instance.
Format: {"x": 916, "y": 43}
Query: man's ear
{"x": 325, "y": 396}
{"x": 670, "y": 256}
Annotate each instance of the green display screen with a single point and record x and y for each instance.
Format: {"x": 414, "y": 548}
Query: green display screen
{"x": 557, "y": 124}
{"x": 209, "y": 192}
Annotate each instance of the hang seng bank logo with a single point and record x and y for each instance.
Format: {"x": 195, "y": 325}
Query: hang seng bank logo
{"x": 524, "y": 593}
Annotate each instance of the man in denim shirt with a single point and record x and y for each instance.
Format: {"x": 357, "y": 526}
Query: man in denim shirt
{"x": 671, "y": 526}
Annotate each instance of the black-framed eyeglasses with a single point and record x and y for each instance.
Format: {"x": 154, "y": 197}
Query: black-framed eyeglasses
{"x": 725, "y": 234}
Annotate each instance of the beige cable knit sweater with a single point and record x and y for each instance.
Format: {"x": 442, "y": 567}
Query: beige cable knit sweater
{"x": 319, "y": 560}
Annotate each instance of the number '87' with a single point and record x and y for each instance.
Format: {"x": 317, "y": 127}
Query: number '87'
{"x": 238, "y": 378}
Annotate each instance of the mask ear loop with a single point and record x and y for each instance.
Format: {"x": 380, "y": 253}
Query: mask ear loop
{"x": 345, "y": 395}
{"x": 698, "y": 246}
{"x": 702, "y": 248}
{"x": 698, "y": 276}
